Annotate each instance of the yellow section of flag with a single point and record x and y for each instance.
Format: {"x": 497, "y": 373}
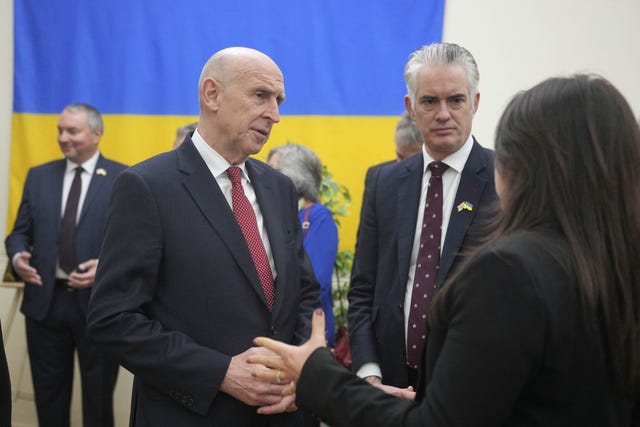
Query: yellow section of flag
{"x": 346, "y": 145}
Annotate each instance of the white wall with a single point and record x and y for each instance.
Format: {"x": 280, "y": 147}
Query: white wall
{"x": 516, "y": 44}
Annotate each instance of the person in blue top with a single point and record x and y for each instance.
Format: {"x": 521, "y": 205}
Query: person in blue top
{"x": 319, "y": 229}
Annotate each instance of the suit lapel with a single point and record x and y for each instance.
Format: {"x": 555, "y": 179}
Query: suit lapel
{"x": 470, "y": 189}
{"x": 95, "y": 186}
{"x": 410, "y": 185}
{"x": 55, "y": 188}
{"x": 208, "y": 197}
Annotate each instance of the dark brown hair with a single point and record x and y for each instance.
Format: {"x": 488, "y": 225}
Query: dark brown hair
{"x": 569, "y": 152}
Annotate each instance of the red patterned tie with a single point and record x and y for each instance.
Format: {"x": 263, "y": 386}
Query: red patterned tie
{"x": 67, "y": 246}
{"x": 424, "y": 283}
{"x": 246, "y": 218}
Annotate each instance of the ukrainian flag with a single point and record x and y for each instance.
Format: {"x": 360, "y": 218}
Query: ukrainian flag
{"x": 138, "y": 62}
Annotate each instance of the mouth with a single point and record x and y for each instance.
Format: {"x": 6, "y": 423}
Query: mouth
{"x": 442, "y": 130}
{"x": 263, "y": 132}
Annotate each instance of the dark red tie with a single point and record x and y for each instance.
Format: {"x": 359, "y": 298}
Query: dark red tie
{"x": 67, "y": 246}
{"x": 424, "y": 283}
{"x": 246, "y": 218}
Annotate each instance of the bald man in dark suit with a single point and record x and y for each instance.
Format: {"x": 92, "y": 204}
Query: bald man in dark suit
{"x": 203, "y": 252}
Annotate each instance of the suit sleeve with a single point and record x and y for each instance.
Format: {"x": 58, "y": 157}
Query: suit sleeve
{"x": 126, "y": 282}
{"x": 363, "y": 276}
{"x": 21, "y": 238}
{"x": 493, "y": 343}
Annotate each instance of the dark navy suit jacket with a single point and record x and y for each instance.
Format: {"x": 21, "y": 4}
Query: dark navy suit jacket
{"x": 383, "y": 252}
{"x": 177, "y": 293}
{"x": 37, "y": 227}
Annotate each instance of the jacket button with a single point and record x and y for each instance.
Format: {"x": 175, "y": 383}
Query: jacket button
{"x": 273, "y": 331}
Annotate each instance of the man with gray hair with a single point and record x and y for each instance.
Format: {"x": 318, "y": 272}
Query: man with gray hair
{"x": 182, "y": 132}
{"x": 407, "y": 138}
{"x": 418, "y": 217}
{"x": 54, "y": 249}
{"x": 408, "y": 142}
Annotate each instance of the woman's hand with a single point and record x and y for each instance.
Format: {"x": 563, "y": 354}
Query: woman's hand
{"x": 287, "y": 365}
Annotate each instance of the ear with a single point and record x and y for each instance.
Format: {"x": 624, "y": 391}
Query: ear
{"x": 476, "y": 103}
{"x": 210, "y": 93}
{"x": 407, "y": 105}
{"x": 96, "y": 136}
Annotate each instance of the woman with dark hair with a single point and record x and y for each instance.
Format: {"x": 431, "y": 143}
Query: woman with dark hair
{"x": 541, "y": 327}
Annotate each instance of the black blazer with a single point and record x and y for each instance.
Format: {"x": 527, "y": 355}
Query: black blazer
{"x": 177, "y": 294}
{"x": 37, "y": 227}
{"x": 383, "y": 252}
{"x": 511, "y": 349}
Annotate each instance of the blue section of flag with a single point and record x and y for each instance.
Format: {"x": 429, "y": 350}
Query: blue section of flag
{"x": 339, "y": 57}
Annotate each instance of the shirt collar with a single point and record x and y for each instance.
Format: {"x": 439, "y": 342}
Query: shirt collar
{"x": 455, "y": 161}
{"x": 214, "y": 161}
{"x": 89, "y": 166}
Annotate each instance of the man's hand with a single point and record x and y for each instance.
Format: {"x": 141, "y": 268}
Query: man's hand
{"x": 287, "y": 404}
{"x": 26, "y": 272}
{"x": 405, "y": 393}
{"x": 84, "y": 275}
{"x": 245, "y": 381}
{"x": 373, "y": 380}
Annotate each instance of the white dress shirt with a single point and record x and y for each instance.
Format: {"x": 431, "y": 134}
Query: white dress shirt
{"x": 70, "y": 171}
{"x": 218, "y": 167}
{"x": 450, "y": 182}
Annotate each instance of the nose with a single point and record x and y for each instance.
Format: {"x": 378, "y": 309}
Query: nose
{"x": 443, "y": 113}
{"x": 62, "y": 136}
{"x": 273, "y": 111}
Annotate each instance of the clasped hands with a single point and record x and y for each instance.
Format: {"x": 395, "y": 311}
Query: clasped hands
{"x": 283, "y": 362}
{"x": 265, "y": 376}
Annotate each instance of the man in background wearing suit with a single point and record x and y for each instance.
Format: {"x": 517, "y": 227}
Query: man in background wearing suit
{"x": 408, "y": 142}
{"x": 388, "y": 279}
{"x": 407, "y": 138}
{"x": 203, "y": 252}
{"x": 54, "y": 248}
{"x": 182, "y": 132}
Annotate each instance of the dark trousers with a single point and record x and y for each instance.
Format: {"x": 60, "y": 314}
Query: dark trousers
{"x": 52, "y": 344}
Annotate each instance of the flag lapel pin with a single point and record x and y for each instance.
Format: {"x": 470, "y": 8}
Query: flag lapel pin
{"x": 465, "y": 206}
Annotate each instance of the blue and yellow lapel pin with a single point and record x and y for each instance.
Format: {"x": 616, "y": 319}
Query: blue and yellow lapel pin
{"x": 101, "y": 172}
{"x": 465, "y": 206}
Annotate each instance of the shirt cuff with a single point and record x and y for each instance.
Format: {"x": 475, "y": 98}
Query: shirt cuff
{"x": 15, "y": 257}
{"x": 369, "y": 369}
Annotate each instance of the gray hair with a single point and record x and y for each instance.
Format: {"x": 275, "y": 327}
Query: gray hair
{"x": 94, "y": 118}
{"x": 407, "y": 134}
{"x": 441, "y": 54}
{"x": 303, "y": 166}
{"x": 184, "y": 130}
